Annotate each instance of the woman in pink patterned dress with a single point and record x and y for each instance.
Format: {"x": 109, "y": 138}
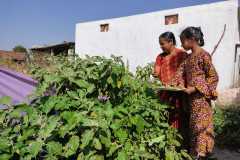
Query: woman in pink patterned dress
{"x": 201, "y": 79}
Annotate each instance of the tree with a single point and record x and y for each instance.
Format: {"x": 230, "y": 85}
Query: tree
{"x": 19, "y": 48}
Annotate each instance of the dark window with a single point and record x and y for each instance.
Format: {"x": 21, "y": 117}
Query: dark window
{"x": 104, "y": 27}
{"x": 171, "y": 19}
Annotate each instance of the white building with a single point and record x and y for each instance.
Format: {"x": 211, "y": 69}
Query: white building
{"x": 136, "y": 37}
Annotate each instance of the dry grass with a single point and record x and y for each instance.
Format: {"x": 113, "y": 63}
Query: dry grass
{"x": 16, "y": 66}
{"x": 25, "y": 67}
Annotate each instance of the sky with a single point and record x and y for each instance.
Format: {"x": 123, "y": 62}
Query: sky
{"x": 39, "y": 22}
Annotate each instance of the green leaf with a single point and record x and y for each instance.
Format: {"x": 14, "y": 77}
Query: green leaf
{"x": 117, "y": 69}
{"x": 121, "y": 134}
{"x": 5, "y": 156}
{"x": 54, "y": 148}
{"x": 5, "y": 132}
{"x": 110, "y": 80}
{"x": 174, "y": 142}
{"x": 34, "y": 148}
{"x": 49, "y": 127}
{"x": 90, "y": 88}
{"x": 186, "y": 155}
{"x": 72, "y": 146}
{"x": 122, "y": 156}
{"x": 176, "y": 156}
{"x": 16, "y": 113}
{"x": 84, "y": 84}
{"x": 73, "y": 119}
{"x": 156, "y": 140}
{"x": 142, "y": 148}
{"x": 4, "y": 144}
{"x": 105, "y": 140}
{"x": 49, "y": 105}
{"x": 97, "y": 144}
{"x": 26, "y": 133}
{"x": 2, "y": 117}
{"x": 97, "y": 157}
{"x": 103, "y": 123}
{"x": 119, "y": 84}
{"x": 128, "y": 146}
{"x": 116, "y": 125}
{"x": 139, "y": 122}
{"x": 90, "y": 123}
{"x": 81, "y": 156}
{"x": 113, "y": 148}
{"x": 108, "y": 111}
{"x": 70, "y": 117}
{"x": 169, "y": 155}
{"x": 18, "y": 147}
{"x": 73, "y": 95}
{"x": 50, "y": 157}
{"x": 90, "y": 154}
{"x": 6, "y": 100}
{"x": 87, "y": 136}
{"x": 64, "y": 130}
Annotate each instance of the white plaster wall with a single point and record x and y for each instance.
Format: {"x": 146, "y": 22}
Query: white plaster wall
{"x": 136, "y": 37}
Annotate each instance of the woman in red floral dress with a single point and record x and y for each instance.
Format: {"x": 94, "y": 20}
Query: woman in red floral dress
{"x": 165, "y": 68}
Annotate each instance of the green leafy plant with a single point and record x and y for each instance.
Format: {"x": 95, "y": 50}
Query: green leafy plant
{"x": 226, "y": 123}
{"x": 91, "y": 108}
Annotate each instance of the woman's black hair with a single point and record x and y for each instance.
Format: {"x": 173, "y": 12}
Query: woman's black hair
{"x": 193, "y": 33}
{"x": 169, "y": 36}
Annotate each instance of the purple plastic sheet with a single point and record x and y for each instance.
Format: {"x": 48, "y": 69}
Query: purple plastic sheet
{"x": 16, "y": 85}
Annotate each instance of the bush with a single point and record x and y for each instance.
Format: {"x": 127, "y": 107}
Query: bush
{"x": 91, "y": 108}
{"x": 227, "y": 127}
{"x": 20, "y": 48}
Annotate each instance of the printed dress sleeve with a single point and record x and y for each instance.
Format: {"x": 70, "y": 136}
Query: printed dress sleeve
{"x": 206, "y": 84}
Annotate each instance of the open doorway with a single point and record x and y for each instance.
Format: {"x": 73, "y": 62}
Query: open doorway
{"x": 236, "y": 78}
